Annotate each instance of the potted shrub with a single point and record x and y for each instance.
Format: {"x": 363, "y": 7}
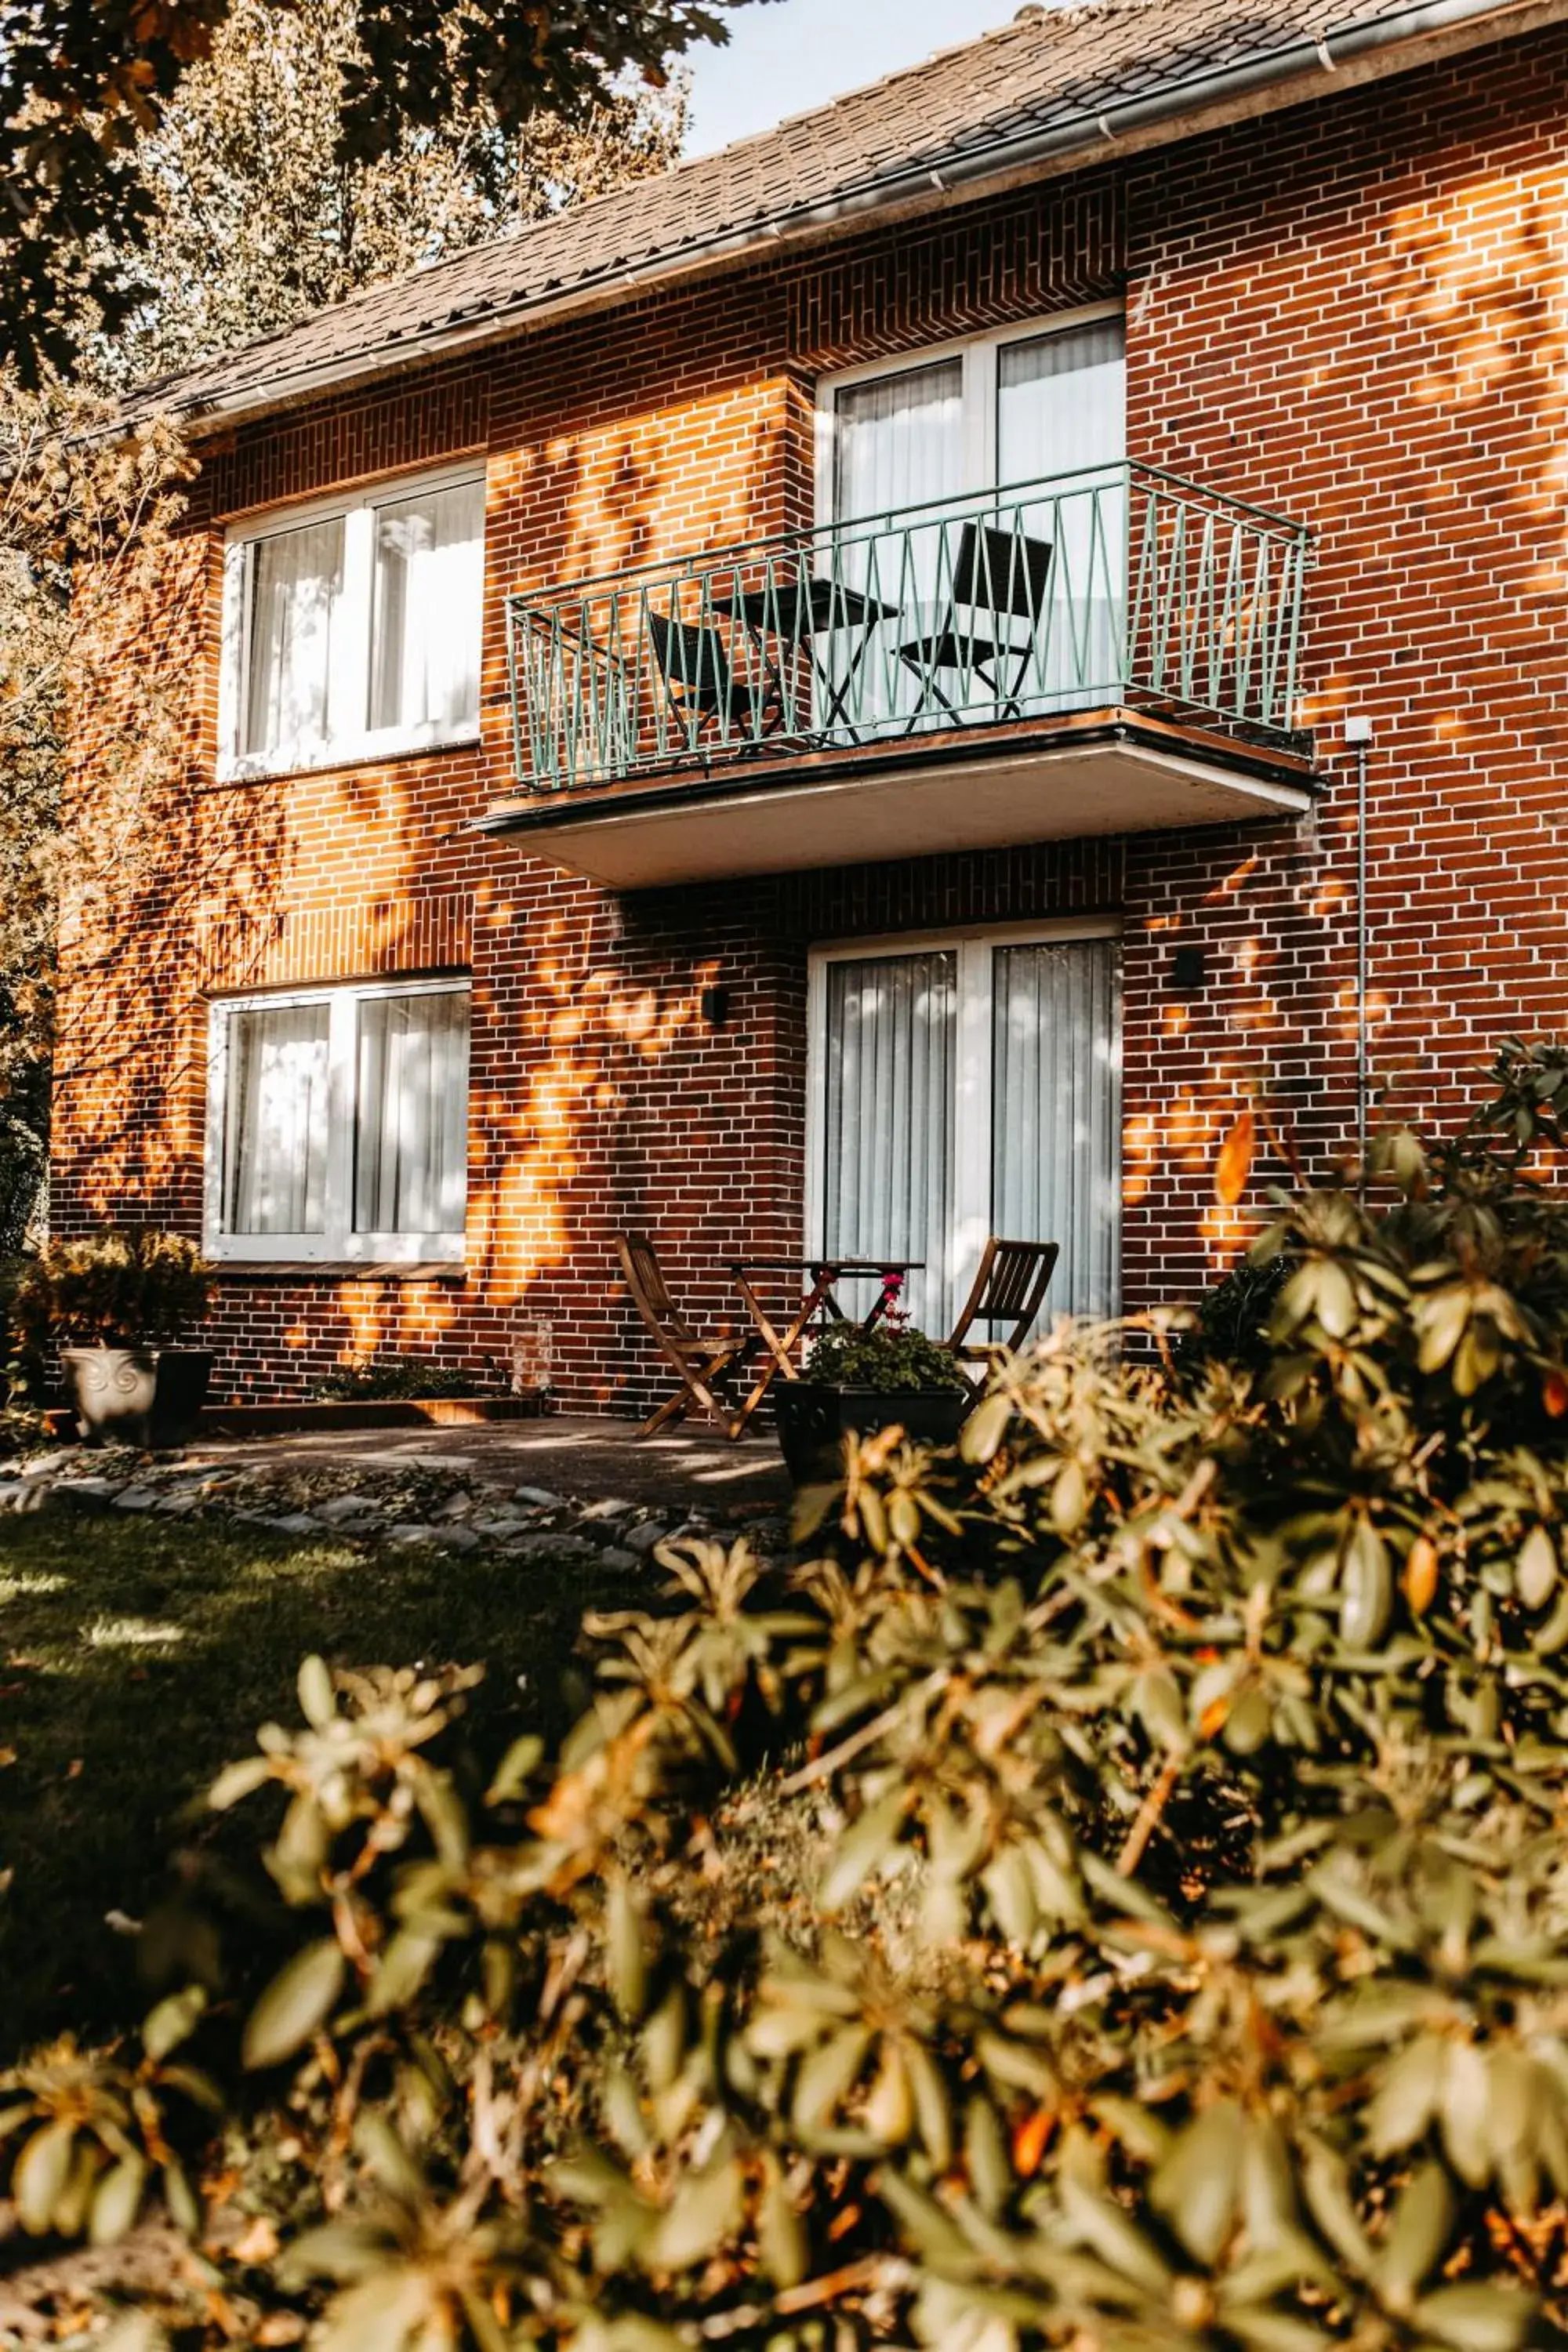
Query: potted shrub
{"x": 115, "y": 1303}
{"x": 858, "y": 1380}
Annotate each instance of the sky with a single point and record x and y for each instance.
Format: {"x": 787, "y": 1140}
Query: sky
{"x": 785, "y": 56}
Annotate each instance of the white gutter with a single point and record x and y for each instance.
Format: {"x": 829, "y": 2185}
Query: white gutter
{"x": 1304, "y": 69}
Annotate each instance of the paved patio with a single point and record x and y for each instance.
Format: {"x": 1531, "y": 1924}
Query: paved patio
{"x": 566, "y": 1453}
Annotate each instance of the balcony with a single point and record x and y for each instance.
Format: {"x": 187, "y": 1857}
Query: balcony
{"x": 1111, "y": 651}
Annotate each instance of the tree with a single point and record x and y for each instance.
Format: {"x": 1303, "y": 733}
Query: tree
{"x": 256, "y": 217}
{"x": 85, "y": 519}
{"x": 249, "y": 214}
{"x": 82, "y": 88}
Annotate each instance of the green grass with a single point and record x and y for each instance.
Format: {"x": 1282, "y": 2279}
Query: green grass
{"x": 137, "y": 1657}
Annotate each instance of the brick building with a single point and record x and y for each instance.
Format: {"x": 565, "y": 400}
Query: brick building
{"x": 813, "y": 701}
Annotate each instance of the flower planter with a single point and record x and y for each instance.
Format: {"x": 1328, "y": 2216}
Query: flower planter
{"x": 814, "y": 1421}
{"x": 147, "y": 1397}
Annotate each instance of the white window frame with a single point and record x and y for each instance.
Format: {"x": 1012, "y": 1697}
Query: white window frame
{"x": 971, "y": 1109}
{"x": 352, "y": 655}
{"x": 338, "y": 1245}
{"x": 978, "y": 353}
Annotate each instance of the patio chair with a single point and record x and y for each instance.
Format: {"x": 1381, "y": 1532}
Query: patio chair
{"x": 698, "y": 1361}
{"x": 1009, "y": 1287}
{"x": 1000, "y": 576}
{"x": 699, "y": 683}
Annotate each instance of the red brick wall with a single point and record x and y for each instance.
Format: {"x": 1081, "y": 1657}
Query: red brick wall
{"x": 1352, "y": 314}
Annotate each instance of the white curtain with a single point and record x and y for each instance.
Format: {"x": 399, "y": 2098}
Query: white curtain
{"x": 1056, "y": 1114}
{"x": 411, "y": 1122}
{"x": 888, "y": 1130}
{"x": 1061, "y": 411}
{"x": 429, "y": 588}
{"x": 296, "y": 584}
{"x": 898, "y": 444}
{"x": 276, "y": 1119}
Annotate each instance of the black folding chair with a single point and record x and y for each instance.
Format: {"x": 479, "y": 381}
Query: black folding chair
{"x": 1000, "y": 577}
{"x": 700, "y": 684}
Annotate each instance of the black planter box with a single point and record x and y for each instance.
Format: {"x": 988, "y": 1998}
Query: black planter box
{"x": 814, "y": 1421}
{"x": 147, "y": 1397}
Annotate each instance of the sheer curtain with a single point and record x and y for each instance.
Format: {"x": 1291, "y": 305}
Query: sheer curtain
{"x": 296, "y": 584}
{"x": 429, "y": 587}
{"x": 1061, "y": 410}
{"x": 411, "y": 1136}
{"x": 898, "y": 444}
{"x": 1057, "y": 1113}
{"x": 276, "y": 1118}
{"x": 889, "y": 1126}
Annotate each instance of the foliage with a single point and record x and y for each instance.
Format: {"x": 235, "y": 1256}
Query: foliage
{"x": 1214, "y": 1736}
{"x": 85, "y": 526}
{"x": 891, "y": 1356}
{"x": 1232, "y": 1317}
{"x": 136, "y": 1643}
{"x": 81, "y": 89}
{"x": 370, "y": 1377}
{"x": 254, "y": 219}
{"x": 115, "y": 1288}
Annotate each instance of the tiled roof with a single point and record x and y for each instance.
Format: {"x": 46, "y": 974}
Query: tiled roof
{"x": 1058, "y": 71}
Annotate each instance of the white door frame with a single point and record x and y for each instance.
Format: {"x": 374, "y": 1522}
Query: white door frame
{"x": 972, "y": 1155}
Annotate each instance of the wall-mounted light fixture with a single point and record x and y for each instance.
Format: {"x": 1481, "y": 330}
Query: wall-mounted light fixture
{"x": 715, "y": 1004}
{"x": 1189, "y": 971}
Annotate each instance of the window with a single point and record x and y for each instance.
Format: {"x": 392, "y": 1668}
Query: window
{"x": 338, "y": 1124}
{"x": 355, "y": 629}
{"x": 962, "y": 1087}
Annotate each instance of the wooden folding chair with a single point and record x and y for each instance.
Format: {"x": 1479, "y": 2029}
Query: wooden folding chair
{"x": 1013, "y": 1279}
{"x": 700, "y": 1362}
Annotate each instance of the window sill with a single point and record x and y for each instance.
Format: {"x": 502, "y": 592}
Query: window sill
{"x": 338, "y": 1269}
{"x": 341, "y": 756}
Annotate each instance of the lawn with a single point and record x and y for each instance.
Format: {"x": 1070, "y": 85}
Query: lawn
{"x": 137, "y": 1657}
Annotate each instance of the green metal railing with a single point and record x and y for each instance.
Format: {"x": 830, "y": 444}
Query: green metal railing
{"x": 1118, "y": 585}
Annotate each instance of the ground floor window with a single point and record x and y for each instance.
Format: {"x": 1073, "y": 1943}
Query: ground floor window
{"x": 962, "y": 1087}
{"x": 337, "y": 1123}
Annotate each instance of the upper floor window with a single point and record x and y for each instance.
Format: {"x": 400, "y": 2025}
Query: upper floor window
{"x": 351, "y": 629}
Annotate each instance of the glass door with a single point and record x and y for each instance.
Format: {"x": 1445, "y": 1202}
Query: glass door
{"x": 1056, "y": 1113}
{"x": 888, "y": 1128}
{"x": 964, "y": 1088}
{"x": 898, "y": 451}
{"x": 1061, "y": 417}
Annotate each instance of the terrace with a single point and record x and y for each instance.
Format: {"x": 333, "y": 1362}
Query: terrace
{"x": 1109, "y": 651}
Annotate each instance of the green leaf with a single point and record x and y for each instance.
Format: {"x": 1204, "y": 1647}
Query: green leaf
{"x": 174, "y": 2020}
{"x": 1096, "y": 2223}
{"x": 400, "y": 1972}
{"x": 238, "y": 1781}
{"x": 781, "y": 2233}
{"x": 318, "y": 1701}
{"x": 826, "y": 2076}
{"x": 862, "y": 1848}
{"x": 516, "y": 1767}
{"x": 299, "y": 1999}
{"x": 1466, "y": 2101}
{"x": 1196, "y": 2187}
{"x": 625, "y": 1959}
{"x": 1406, "y": 2098}
{"x": 706, "y": 2210}
{"x": 1536, "y": 1572}
{"x": 39, "y": 2176}
{"x": 117, "y": 2199}
{"x": 1417, "y": 2235}
{"x": 1476, "y": 2318}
